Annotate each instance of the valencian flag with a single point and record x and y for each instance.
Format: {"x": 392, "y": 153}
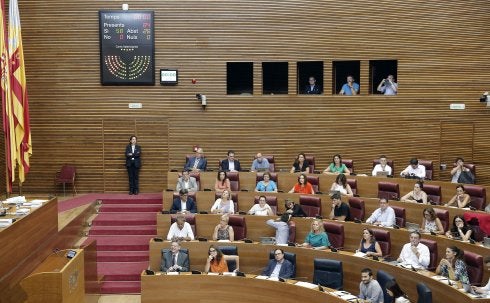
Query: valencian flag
{"x": 7, "y": 112}
{"x": 20, "y": 104}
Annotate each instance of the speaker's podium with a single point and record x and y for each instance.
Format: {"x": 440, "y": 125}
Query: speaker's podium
{"x": 59, "y": 278}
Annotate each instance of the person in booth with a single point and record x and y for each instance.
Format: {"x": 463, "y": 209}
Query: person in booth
{"x": 260, "y": 163}
{"x": 133, "y": 164}
{"x": 303, "y": 186}
{"x": 312, "y": 88}
{"x": 417, "y": 195}
{"x": 382, "y": 166}
{"x": 279, "y": 267}
{"x": 216, "y": 261}
{"x": 461, "y": 199}
{"x": 282, "y": 228}
{"x": 267, "y": 184}
{"x": 180, "y": 230}
{"x": 340, "y": 210}
{"x": 197, "y": 163}
{"x": 184, "y": 203}
{"x": 222, "y": 182}
{"x": 369, "y": 289}
{"x": 230, "y": 163}
{"x": 458, "y": 169}
{"x": 175, "y": 260}
{"x": 261, "y": 208}
{"x": 223, "y": 231}
{"x": 350, "y": 88}
{"x": 301, "y": 165}
{"x": 337, "y": 167}
{"x": 383, "y": 216}
{"x": 388, "y": 86}
{"x": 485, "y": 290}
{"x": 186, "y": 182}
{"x": 414, "y": 170}
{"x": 317, "y": 238}
{"x": 453, "y": 265}
{"x": 295, "y": 210}
{"x": 415, "y": 253}
{"x": 342, "y": 186}
{"x": 460, "y": 229}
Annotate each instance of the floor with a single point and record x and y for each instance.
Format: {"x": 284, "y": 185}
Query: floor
{"x": 120, "y": 299}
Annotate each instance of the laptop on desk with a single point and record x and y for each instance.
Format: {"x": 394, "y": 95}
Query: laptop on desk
{"x": 382, "y": 174}
{"x": 412, "y": 226}
{"x": 267, "y": 240}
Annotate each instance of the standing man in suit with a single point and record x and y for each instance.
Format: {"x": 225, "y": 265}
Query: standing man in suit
{"x": 279, "y": 267}
{"x": 312, "y": 88}
{"x": 133, "y": 164}
{"x": 197, "y": 163}
{"x": 184, "y": 203}
{"x": 174, "y": 259}
{"x": 187, "y": 182}
{"x": 230, "y": 163}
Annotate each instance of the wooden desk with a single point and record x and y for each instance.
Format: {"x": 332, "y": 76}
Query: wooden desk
{"x": 254, "y": 257}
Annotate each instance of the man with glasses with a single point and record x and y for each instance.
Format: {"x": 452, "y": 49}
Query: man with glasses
{"x": 383, "y": 216}
{"x": 230, "y": 163}
{"x": 415, "y": 253}
{"x": 175, "y": 260}
{"x": 279, "y": 267}
{"x": 187, "y": 182}
{"x": 183, "y": 204}
{"x": 197, "y": 163}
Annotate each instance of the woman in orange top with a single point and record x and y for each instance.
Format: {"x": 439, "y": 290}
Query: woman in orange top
{"x": 222, "y": 182}
{"x": 216, "y": 261}
{"x": 302, "y": 187}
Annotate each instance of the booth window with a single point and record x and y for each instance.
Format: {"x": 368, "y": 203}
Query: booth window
{"x": 239, "y": 78}
{"x": 274, "y": 78}
{"x": 308, "y": 69}
{"x": 340, "y": 71}
{"x": 379, "y": 70}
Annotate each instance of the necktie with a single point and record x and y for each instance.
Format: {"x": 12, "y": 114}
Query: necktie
{"x": 174, "y": 259}
{"x": 196, "y": 162}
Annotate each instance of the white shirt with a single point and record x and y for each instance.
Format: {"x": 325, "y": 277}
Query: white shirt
{"x": 409, "y": 257}
{"x": 174, "y": 231}
{"x": 386, "y": 217}
{"x": 229, "y": 208}
{"x": 378, "y": 168}
{"x": 419, "y": 171}
{"x": 260, "y": 211}
{"x": 277, "y": 269}
{"x": 231, "y": 165}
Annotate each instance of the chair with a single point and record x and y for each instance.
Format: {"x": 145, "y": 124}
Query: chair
{"x": 349, "y": 164}
{"x": 312, "y": 205}
{"x": 314, "y": 181}
{"x": 357, "y": 209}
{"x": 432, "y": 245}
{"x": 383, "y": 238}
{"x": 65, "y": 176}
{"x": 335, "y": 232}
{"x": 443, "y": 215}
{"x": 424, "y": 293}
{"x": 260, "y": 177}
{"x": 400, "y": 215}
{"x": 474, "y": 265}
{"x": 291, "y": 257}
{"x": 389, "y": 190}
{"x": 311, "y": 160}
{"x": 353, "y": 185}
{"x": 191, "y": 219}
{"x": 272, "y": 162}
{"x": 328, "y": 273}
{"x": 230, "y": 250}
{"x": 478, "y": 196}
{"x": 234, "y": 198}
{"x": 391, "y": 163}
{"x": 239, "y": 227}
{"x": 433, "y": 193}
{"x": 383, "y": 278}
{"x": 271, "y": 200}
{"x": 292, "y": 232}
{"x": 234, "y": 178}
{"x": 429, "y": 168}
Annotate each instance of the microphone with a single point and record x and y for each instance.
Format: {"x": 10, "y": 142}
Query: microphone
{"x": 413, "y": 268}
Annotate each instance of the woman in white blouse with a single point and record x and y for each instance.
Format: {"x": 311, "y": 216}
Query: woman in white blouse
{"x": 223, "y": 205}
{"x": 262, "y": 208}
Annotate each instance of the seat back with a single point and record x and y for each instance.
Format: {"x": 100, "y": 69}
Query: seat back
{"x": 260, "y": 177}
{"x": 349, "y": 164}
{"x": 424, "y": 293}
{"x": 234, "y": 178}
{"x": 353, "y": 185}
{"x": 478, "y": 195}
{"x": 383, "y": 278}
{"x": 357, "y": 209}
{"x": 389, "y": 190}
{"x": 272, "y": 162}
{"x": 239, "y": 226}
{"x": 291, "y": 257}
{"x": 189, "y": 218}
{"x": 229, "y": 250}
{"x": 433, "y": 193}
{"x": 443, "y": 215}
{"x": 312, "y": 205}
{"x": 383, "y": 238}
{"x": 400, "y": 215}
{"x": 391, "y": 163}
{"x": 328, "y": 273}
{"x": 271, "y": 200}
{"x": 292, "y": 232}
{"x": 432, "y": 245}
{"x": 474, "y": 265}
{"x": 429, "y": 168}
{"x": 335, "y": 232}
{"x": 67, "y": 174}
{"x": 311, "y": 161}
{"x": 314, "y": 181}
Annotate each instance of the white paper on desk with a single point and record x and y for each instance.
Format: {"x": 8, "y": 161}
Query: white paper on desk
{"x": 227, "y": 273}
{"x": 306, "y": 284}
{"x": 173, "y": 273}
{"x": 359, "y": 254}
{"x": 273, "y": 278}
{"x": 224, "y": 241}
{"x": 348, "y": 297}
{"x": 213, "y": 273}
{"x": 284, "y": 244}
{"x": 23, "y": 211}
{"x": 262, "y": 277}
{"x": 39, "y": 201}
{"x": 443, "y": 279}
{"x": 340, "y": 293}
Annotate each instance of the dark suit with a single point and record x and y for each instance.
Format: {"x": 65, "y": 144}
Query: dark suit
{"x": 191, "y": 205}
{"x": 315, "y": 90}
{"x": 225, "y": 166}
{"x": 286, "y": 272}
{"x": 182, "y": 260}
{"x": 202, "y": 165}
{"x": 133, "y": 164}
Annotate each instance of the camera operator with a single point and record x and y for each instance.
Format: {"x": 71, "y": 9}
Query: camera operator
{"x": 388, "y": 86}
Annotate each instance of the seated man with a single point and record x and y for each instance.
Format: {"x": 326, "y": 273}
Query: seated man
{"x": 180, "y": 230}
{"x": 340, "y": 210}
{"x": 414, "y": 170}
{"x": 230, "y": 164}
{"x": 260, "y": 163}
{"x": 415, "y": 253}
{"x": 183, "y": 204}
{"x": 186, "y": 182}
{"x": 369, "y": 288}
{"x": 197, "y": 163}
{"x": 279, "y": 267}
{"x": 383, "y": 216}
{"x": 282, "y": 228}
{"x": 174, "y": 260}
{"x": 382, "y": 166}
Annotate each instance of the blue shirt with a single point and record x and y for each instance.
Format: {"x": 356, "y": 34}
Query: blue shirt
{"x": 317, "y": 240}
{"x": 347, "y": 90}
{"x": 270, "y": 187}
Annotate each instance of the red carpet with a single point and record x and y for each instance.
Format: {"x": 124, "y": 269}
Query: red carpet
{"x": 123, "y": 228}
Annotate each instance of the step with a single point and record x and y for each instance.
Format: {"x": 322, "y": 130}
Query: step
{"x": 123, "y": 230}
{"x": 112, "y": 208}
{"x": 121, "y": 287}
{"x": 133, "y": 200}
{"x": 120, "y": 219}
{"x": 122, "y": 243}
{"x": 129, "y": 269}
{"x": 122, "y": 256}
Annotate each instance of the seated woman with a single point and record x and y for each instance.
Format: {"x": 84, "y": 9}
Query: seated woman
{"x": 295, "y": 210}
{"x": 337, "y": 167}
{"x": 458, "y": 169}
{"x": 317, "y": 238}
{"x": 430, "y": 222}
{"x": 369, "y": 245}
{"x": 461, "y": 199}
{"x": 216, "y": 261}
{"x": 262, "y": 208}
{"x": 303, "y": 186}
{"x": 453, "y": 266}
{"x": 341, "y": 186}
{"x": 267, "y": 184}
{"x": 223, "y": 231}
{"x": 460, "y": 229}
{"x": 394, "y": 291}
{"x": 417, "y": 195}
{"x": 222, "y": 182}
{"x": 301, "y": 164}
{"x": 223, "y": 205}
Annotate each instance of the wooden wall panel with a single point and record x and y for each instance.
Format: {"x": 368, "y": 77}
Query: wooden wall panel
{"x": 442, "y": 54}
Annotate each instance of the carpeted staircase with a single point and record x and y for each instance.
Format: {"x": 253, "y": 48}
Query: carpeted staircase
{"x": 122, "y": 229}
